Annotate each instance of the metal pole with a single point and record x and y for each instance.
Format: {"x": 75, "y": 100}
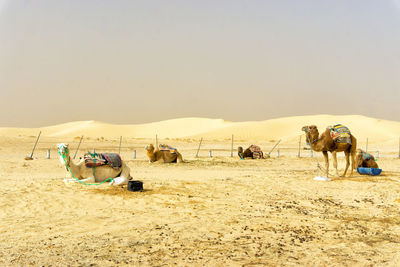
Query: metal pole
{"x": 134, "y": 154}
{"x": 76, "y": 151}
{"x": 210, "y": 153}
{"x": 37, "y": 140}
{"x": 232, "y": 147}
{"x": 269, "y": 153}
{"x": 377, "y": 154}
{"x": 48, "y": 154}
{"x": 278, "y": 152}
{"x": 120, "y": 141}
{"x": 198, "y": 149}
{"x": 298, "y": 154}
{"x": 311, "y": 153}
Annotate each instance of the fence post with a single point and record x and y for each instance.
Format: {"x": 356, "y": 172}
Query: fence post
{"x": 298, "y": 154}
{"x": 198, "y": 149}
{"x": 120, "y": 141}
{"x": 232, "y": 147}
{"x": 134, "y": 154}
{"x": 76, "y": 151}
{"x": 277, "y": 153}
{"x": 210, "y": 153}
{"x": 48, "y": 154}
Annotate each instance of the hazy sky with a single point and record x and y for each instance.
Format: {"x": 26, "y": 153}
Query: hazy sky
{"x": 141, "y": 61}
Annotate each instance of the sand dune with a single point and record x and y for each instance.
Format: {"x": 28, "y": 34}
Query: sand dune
{"x": 283, "y": 128}
{"x": 219, "y": 211}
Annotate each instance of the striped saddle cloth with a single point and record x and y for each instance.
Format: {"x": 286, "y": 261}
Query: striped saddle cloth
{"x": 170, "y": 149}
{"x": 340, "y": 134}
{"x": 95, "y": 159}
{"x": 366, "y": 156}
{"x": 256, "y": 150}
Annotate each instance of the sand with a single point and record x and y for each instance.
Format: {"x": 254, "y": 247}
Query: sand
{"x": 218, "y": 211}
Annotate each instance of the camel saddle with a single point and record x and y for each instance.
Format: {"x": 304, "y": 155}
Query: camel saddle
{"x": 170, "y": 149}
{"x": 256, "y": 150}
{"x": 93, "y": 160}
{"x": 340, "y": 134}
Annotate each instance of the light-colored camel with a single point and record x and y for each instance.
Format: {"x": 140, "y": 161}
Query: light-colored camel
{"x": 155, "y": 155}
{"x": 91, "y": 175}
{"x": 325, "y": 144}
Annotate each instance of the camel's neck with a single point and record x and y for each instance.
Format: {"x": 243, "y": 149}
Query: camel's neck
{"x": 152, "y": 156}
{"x": 68, "y": 163}
{"x": 318, "y": 144}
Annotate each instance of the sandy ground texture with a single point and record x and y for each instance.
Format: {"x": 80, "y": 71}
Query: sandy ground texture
{"x": 218, "y": 211}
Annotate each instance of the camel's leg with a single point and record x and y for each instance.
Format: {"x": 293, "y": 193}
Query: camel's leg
{"x": 347, "y": 164}
{"x": 123, "y": 177}
{"x": 119, "y": 181}
{"x": 334, "y": 159}
{"x": 353, "y": 159}
{"x": 325, "y": 153}
{"x": 179, "y": 158}
{"x": 89, "y": 180}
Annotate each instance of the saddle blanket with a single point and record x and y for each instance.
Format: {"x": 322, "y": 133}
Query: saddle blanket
{"x": 168, "y": 148}
{"x": 256, "y": 150}
{"x": 340, "y": 134}
{"x": 95, "y": 159}
{"x": 366, "y": 156}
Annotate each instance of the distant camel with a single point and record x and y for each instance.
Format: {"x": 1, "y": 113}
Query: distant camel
{"x": 364, "y": 159}
{"x": 253, "y": 152}
{"x": 325, "y": 143}
{"x": 163, "y": 156}
{"x": 86, "y": 174}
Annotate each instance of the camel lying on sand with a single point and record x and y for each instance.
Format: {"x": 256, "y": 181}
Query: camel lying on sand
{"x": 364, "y": 159}
{"x": 163, "y": 156}
{"x": 326, "y": 143}
{"x": 252, "y": 152}
{"x": 98, "y": 174}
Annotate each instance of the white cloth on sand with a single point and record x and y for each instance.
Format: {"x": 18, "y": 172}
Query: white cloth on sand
{"x": 319, "y": 178}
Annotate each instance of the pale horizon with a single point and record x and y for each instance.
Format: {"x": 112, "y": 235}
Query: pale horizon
{"x": 132, "y": 62}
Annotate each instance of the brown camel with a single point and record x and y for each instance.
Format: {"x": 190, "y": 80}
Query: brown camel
{"x": 163, "y": 156}
{"x": 364, "y": 159}
{"x": 325, "y": 143}
{"x": 252, "y": 152}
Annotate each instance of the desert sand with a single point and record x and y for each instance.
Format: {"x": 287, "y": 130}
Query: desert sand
{"x": 218, "y": 211}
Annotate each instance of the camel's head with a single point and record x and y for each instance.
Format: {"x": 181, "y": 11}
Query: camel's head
{"x": 311, "y": 133}
{"x": 240, "y": 152}
{"x": 149, "y": 148}
{"x": 62, "y": 149}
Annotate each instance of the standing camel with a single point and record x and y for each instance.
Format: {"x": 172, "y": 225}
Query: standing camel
{"x": 325, "y": 143}
{"x": 99, "y": 174}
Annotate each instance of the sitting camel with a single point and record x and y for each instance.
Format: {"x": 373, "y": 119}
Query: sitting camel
{"x": 326, "y": 143}
{"x": 98, "y": 174}
{"x": 252, "y": 152}
{"x": 364, "y": 159}
{"x": 163, "y": 156}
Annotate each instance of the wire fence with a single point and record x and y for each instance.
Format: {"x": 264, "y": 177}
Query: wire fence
{"x": 134, "y": 148}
